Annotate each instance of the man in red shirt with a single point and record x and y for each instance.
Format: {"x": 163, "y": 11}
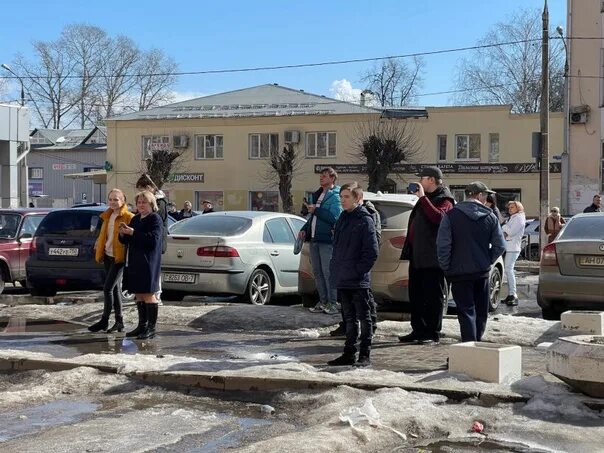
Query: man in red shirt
{"x": 427, "y": 284}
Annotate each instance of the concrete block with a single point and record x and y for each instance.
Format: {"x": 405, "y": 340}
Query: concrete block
{"x": 490, "y": 362}
{"x": 583, "y": 322}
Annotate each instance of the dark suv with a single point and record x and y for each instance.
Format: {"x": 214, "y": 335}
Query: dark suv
{"x": 17, "y": 227}
{"x": 62, "y": 252}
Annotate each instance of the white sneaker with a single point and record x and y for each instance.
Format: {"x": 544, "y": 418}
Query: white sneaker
{"x": 319, "y": 308}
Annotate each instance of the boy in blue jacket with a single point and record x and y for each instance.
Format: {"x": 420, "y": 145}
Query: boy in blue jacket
{"x": 355, "y": 250}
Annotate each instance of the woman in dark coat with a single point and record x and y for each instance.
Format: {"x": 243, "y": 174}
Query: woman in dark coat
{"x": 144, "y": 239}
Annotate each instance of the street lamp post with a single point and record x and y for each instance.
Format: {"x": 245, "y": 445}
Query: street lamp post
{"x": 5, "y": 66}
{"x": 565, "y": 158}
{"x": 544, "y": 128}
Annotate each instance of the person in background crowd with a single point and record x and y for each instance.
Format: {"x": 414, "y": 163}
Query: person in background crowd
{"x": 492, "y": 203}
{"x": 318, "y": 229}
{"x": 595, "y": 204}
{"x": 172, "y": 211}
{"x": 143, "y": 235}
{"x": 553, "y": 224}
{"x": 187, "y": 211}
{"x": 355, "y": 250}
{"x": 427, "y": 285}
{"x": 207, "y": 206}
{"x": 469, "y": 241}
{"x": 513, "y": 230}
{"x": 112, "y": 253}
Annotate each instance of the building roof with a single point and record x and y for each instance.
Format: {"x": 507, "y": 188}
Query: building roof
{"x": 66, "y": 139}
{"x": 259, "y": 101}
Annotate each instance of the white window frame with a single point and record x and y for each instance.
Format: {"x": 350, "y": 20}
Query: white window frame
{"x": 494, "y": 155}
{"x": 329, "y": 136}
{"x": 439, "y": 139}
{"x": 161, "y": 141}
{"x": 203, "y": 153}
{"x": 468, "y": 138}
{"x": 33, "y": 171}
{"x": 271, "y": 138}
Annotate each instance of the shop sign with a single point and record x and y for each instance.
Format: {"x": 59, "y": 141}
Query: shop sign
{"x": 60, "y": 167}
{"x": 465, "y": 168}
{"x": 186, "y": 177}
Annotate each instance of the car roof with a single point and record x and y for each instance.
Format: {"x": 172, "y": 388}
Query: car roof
{"x": 252, "y": 214}
{"x": 24, "y": 210}
{"x": 588, "y": 214}
{"x": 83, "y": 209}
{"x": 396, "y": 197}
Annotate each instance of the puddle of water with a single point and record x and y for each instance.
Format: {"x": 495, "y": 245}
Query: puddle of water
{"x": 232, "y": 438}
{"x": 29, "y": 420}
{"x": 17, "y": 324}
{"x": 474, "y": 445}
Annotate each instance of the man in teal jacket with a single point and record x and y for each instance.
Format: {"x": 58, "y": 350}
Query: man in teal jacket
{"x": 324, "y": 212}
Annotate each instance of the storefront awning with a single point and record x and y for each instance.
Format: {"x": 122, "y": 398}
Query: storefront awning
{"x": 98, "y": 177}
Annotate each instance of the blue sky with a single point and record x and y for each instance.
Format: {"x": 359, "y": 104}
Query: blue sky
{"x": 202, "y": 35}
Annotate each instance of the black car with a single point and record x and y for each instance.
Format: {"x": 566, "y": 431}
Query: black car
{"x": 62, "y": 256}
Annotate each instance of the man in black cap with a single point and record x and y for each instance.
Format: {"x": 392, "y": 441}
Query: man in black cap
{"x": 207, "y": 207}
{"x": 427, "y": 285}
{"x": 469, "y": 241}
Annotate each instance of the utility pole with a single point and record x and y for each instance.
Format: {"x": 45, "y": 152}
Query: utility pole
{"x": 544, "y": 122}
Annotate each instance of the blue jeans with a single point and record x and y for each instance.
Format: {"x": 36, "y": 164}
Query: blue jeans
{"x": 320, "y": 257}
{"x": 509, "y": 261}
{"x": 472, "y": 301}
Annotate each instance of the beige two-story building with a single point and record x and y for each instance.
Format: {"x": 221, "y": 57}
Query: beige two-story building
{"x": 226, "y": 138}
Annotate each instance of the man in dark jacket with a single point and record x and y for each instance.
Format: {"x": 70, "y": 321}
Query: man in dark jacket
{"x": 595, "y": 204}
{"x": 324, "y": 212}
{"x": 469, "y": 241}
{"x": 187, "y": 211}
{"x": 427, "y": 285}
{"x": 207, "y": 207}
{"x": 355, "y": 250}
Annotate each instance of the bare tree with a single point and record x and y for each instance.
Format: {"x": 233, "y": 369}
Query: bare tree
{"x": 393, "y": 82}
{"x": 281, "y": 168}
{"x": 384, "y": 144}
{"x": 511, "y": 74}
{"x": 160, "y": 165}
{"x": 155, "y": 77}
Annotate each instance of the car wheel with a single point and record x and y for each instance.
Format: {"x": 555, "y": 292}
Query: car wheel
{"x": 172, "y": 295}
{"x": 2, "y": 283}
{"x": 259, "y": 289}
{"x": 42, "y": 292}
{"x": 494, "y": 288}
{"x": 534, "y": 253}
{"x": 550, "y": 314}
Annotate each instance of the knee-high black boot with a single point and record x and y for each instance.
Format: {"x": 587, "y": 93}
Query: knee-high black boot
{"x": 142, "y": 320}
{"x": 119, "y": 320}
{"x": 149, "y": 331}
{"x": 103, "y": 323}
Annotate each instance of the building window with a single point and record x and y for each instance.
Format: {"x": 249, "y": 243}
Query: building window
{"x": 504, "y": 196}
{"x": 320, "y": 144}
{"x": 493, "y": 147}
{"x": 155, "y": 143}
{"x": 267, "y": 200}
{"x": 36, "y": 173}
{"x": 458, "y": 192}
{"x": 38, "y": 139}
{"x": 262, "y": 146}
{"x": 441, "y": 151}
{"x": 209, "y": 146}
{"x": 467, "y": 147}
{"x": 216, "y": 197}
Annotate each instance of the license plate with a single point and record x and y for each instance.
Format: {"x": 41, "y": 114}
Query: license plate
{"x": 63, "y": 251}
{"x": 591, "y": 261}
{"x": 179, "y": 278}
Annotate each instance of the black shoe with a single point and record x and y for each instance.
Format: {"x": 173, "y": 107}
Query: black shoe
{"x": 149, "y": 331}
{"x": 409, "y": 338}
{"x": 118, "y": 326}
{"x": 363, "y": 361}
{"x": 101, "y": 325}
{"x": 338, "y": 331}
{"x": 432, "y": 339}
{"x": 345, "y": 359}
{"x": 511, "y": 302}
{"x": 142, "y": 320}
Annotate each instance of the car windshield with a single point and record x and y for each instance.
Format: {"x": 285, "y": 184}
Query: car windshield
{"x": 588, "y": 227}
{"x": 9, "y": 223}
{"x": 212, "y": 225}
{"x": 70, "y": 223}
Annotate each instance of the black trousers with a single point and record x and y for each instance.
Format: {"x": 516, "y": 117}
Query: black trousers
{"x": 113, "y": 272}
{"x": 356, "y": 310}
{"x": 373, "y": 304}
{"x": 427, "y": 296}
{"x": 472, "y": 300}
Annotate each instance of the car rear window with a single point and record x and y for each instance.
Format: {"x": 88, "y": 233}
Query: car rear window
{"x": 588, "y": 227}
{"x": 9, "y": 224}
{"x": 212, "y": 225}
{"x": 393, "y": 216}
{"x": 71, "y": 223}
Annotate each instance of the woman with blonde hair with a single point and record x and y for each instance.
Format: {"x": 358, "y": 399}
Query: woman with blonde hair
{"x": 553, "y": 224}
{"x": 513, "y": 230}
{"x": 144, "y": 239}
{"x": 112, "y": 253}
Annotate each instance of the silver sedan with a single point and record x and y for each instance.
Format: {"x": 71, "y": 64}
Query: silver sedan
{"x": 244, "y": 253}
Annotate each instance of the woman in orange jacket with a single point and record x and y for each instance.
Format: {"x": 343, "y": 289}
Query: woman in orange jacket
{"x": 112, "y": 253}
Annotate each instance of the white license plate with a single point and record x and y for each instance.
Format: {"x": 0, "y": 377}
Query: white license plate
{"x": 63, "y": 251}
{"x": 591, "y": 261}
{"x": 179, "y": 278}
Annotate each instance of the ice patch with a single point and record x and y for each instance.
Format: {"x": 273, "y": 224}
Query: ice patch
{"x": 308, "y": 333}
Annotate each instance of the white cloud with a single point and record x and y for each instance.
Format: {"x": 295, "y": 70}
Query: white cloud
{"x": 343, "y": 91}
{"x": 179, "y": 96}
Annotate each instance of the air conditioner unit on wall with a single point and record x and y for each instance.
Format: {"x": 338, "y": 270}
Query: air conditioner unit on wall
{"x": 292, "y": 136}
{"x": 180, "y": 141}
{"x": 579, "y": 114}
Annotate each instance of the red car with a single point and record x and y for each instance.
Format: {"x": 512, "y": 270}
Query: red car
{"x": 17, "y": 228}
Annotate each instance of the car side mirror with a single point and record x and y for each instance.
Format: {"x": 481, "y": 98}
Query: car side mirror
{"x": 26, "y": 236}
